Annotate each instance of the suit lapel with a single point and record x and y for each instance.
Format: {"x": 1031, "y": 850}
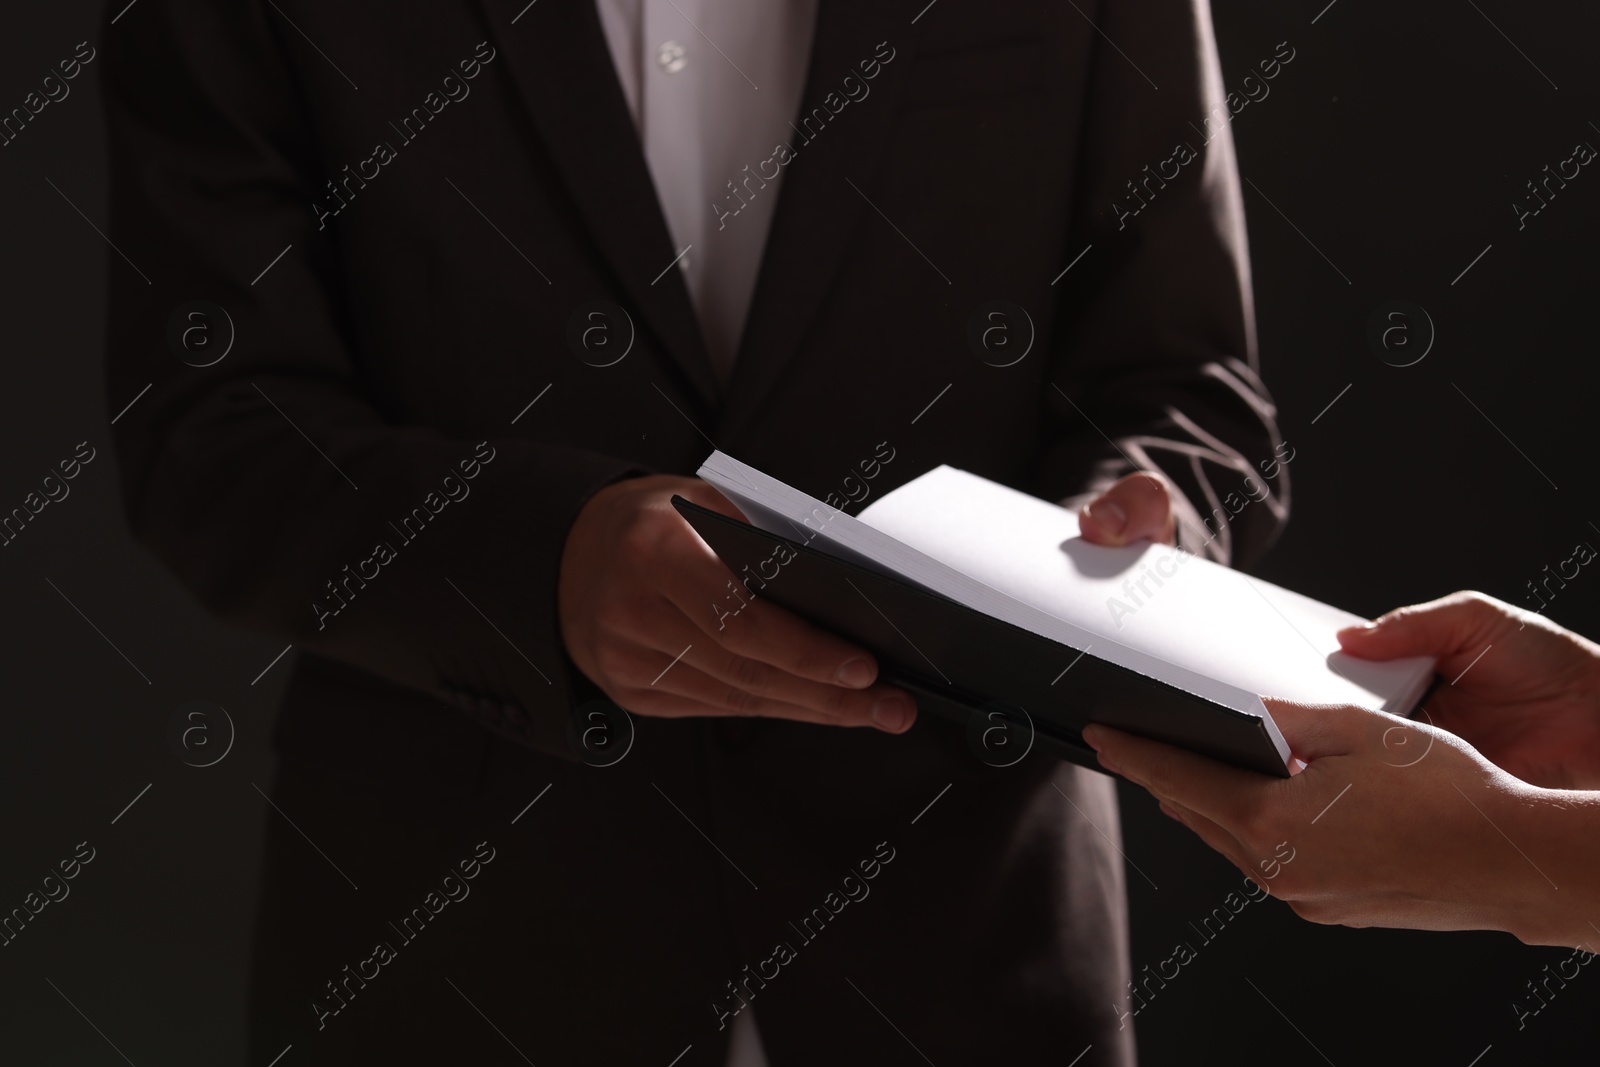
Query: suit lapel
{"x": 561, "y": 65}
{"x": 818, "y": 212}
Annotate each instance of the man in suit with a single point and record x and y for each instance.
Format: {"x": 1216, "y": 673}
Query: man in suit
{"x": 456, "y": 296}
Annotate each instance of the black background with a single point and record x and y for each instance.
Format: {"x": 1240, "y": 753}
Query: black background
{"x": 1395, "y": 141}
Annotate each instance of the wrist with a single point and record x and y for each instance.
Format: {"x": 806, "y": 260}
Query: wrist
{"x": 1584, "y": 677}
{"x": 1591, "y": 689}
{"x": 1555, "y": 883}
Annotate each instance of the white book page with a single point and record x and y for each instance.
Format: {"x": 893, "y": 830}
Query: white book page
{"x": 781, "y": 509}
{"x": 1197, "y": 615}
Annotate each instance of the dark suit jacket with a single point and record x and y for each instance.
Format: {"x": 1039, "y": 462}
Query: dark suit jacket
{"x": 331, "y": 459}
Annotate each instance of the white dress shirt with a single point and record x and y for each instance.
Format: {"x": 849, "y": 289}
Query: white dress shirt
{"x": 713, "y": 86}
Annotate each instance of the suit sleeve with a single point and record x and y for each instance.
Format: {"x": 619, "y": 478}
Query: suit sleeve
{"x": 272, "y": 482}
{"x": 1158, "y": 370}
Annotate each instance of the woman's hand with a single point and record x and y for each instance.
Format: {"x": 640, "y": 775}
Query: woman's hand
{"x": 1520, "y": 689}
{"x": 1392, "y": 823}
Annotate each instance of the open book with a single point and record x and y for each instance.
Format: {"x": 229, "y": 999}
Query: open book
{"x": 976, "y": 596}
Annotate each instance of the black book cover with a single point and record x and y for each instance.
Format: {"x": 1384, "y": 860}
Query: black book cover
{"x": 1023, "y": 689}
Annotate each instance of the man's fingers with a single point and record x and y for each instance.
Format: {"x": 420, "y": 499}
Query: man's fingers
{"x": 882, "y": 706}
{"x": 1213, "y": 789}
{"x": 1138, "y": 507}
{"x": 764, "y": 660}
{"x": 683, "y": 688}
{"x": 766, "y": 632}
{"x": 1317, "y": 730}
{"x": 731, "y": 613}
{"x": 1456, "y": 624}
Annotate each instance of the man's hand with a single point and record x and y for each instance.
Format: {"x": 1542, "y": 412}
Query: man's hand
{"x": 638, "y": 601}
{"x": 1137, "y": 507}
{"x": 1518, "y": 688}
{"x": 1369, "y": 834}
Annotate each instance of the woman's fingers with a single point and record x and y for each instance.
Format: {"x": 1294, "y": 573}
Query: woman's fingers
{"x": 1455, "y": 625}
{"x": 1215, "y": 790}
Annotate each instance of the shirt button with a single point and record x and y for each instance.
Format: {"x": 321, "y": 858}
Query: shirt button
{"x": 672, "y": 57}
